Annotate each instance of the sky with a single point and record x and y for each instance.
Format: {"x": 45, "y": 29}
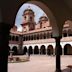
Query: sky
{"x": 19, "y": 18}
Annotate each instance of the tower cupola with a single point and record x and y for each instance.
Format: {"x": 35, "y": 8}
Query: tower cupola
{"x": 28, "y": 20}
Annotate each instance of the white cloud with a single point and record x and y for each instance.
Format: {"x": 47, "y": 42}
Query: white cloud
{"x": 19, "y": 29}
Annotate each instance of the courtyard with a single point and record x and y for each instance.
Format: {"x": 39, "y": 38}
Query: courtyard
{"x": 40, "y": 63}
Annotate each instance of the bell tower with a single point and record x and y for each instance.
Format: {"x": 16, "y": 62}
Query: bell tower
{"x": 43, "y": 19}
{"x": 28, "y": 20}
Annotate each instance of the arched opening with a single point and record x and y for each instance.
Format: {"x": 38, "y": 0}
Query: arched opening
{"x": 30, "y": 50}
{"x": 23, "y": 38}
{"x": 26, "y": 37}
{"x": 36, "y": 50}
{"x": 67, "y": 49}
{"x": 34, "y": 36}
{"x": 69, "y": 32}
{"x": 31, "y": 37}
{"x": 50, "y": 50}
{"x": 14, "y": 49}
{"x": 25, "y": 50}
{"x": 37, "y": 36}
{"x": 9, "y": 50}
{"x": 44, "y": 36}
{"x": 41, "y": 35}
{"x": 17, "y": 38}
{"x": 64, "y": 33}
{"x": 42, "y": 50}
{"x": 47, "y": 34}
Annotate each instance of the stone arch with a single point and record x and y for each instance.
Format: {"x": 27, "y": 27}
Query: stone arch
{"x": 15, "y": 50}
{"x": 50, "y": 50}
{"x": 56, "y": 29}
{"x": 67, "y": 49}
{"x": 36, "y": 50}
{"x": 53, "y": 6}
{"x": 8, "y": 16}
{"x": 42, "y": 50}
{"x": 50, "y": 15}
{"x": 30, "y": 50}
{"x": 13, "y": 38}
{"x": 25, "y": 50}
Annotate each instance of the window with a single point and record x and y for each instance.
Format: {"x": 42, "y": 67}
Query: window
{"x": 25, "y": 17}
{"x": 65, "y": 34}
{"x": 16, "y": 38}
{"x": 30, "y": 18}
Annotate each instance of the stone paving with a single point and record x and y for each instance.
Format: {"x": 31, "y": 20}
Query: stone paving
{"x": 40, "y": 63}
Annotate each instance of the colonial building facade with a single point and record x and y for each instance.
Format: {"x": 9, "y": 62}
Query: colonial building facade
{"x": 37, "y": 38}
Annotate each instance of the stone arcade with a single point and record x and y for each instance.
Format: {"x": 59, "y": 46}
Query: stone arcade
{"x": 58, "y": 12}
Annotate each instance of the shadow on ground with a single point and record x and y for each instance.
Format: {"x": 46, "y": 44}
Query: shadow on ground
{"x": 67, "y": 70}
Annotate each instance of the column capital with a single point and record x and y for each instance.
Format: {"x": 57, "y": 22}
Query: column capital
{"x": 59, "y": 37}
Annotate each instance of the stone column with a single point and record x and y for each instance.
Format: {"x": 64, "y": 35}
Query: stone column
{"x": 39, "y": 51}
{"x": 62, "y": 51}
{"x": 58, "y": 62}
{"x": 54, "y": 52}
{"x": 20, "y": 50}
{"x": 46, "y": 51}
{"x": 4, "y": 41}
{"x": 33, "y": 52}
{"x": 67, "y": 33}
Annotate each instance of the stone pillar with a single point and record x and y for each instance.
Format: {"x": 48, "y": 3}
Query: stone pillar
{"x": 4, "y": 41}
{"x": 54, "y": 52}
{"x": 62, "y": 51}
{"x": 20, "y": 50}
{"x": 67, "y": 33}
{"x": 46, "y": 51}
{"x": 58, "y": 62}
{"x": 33, "y": 51}
{"x": 39, "y": 51}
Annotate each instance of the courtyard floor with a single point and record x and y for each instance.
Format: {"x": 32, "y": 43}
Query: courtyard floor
{"x": 40, "y": 63}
